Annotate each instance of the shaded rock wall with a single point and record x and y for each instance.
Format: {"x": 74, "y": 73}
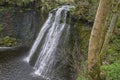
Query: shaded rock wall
{"x": 24, "y": 26}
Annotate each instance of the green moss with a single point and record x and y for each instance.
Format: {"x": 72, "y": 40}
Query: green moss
{"x": 83, "y": 34}
{"x": 113, "y": 52}
{"x": 8, "y": 41}
{"x": 118, "y": 23}
{"x": 1, "y": 2}
{"x": 82, "y": 78}
{"x": 1, "y": 27}
{"x": 17, "y": 2}
{"x": 85, "y": 9}
{"x": 5, "y": 10}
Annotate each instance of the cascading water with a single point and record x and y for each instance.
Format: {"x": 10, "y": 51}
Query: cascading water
{"x": 51, "y": 32}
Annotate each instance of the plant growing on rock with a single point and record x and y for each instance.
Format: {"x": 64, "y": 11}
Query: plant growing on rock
{"x": 8, "y": 41}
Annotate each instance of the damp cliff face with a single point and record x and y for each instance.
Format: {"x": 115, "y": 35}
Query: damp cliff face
{"x": 20, "y": 27}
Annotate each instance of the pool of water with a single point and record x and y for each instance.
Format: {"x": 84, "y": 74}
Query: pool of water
{"x": 12, "y": 66}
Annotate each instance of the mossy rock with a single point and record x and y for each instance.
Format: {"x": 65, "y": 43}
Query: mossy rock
{"x": 8, "y": 41}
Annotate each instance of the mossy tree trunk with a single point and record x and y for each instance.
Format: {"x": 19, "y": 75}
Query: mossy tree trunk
{"x": 96, "y": 41}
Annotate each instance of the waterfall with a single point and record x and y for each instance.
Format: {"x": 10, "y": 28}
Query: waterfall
{"x": 51, "y": 32}
{"x": 40, "y": 36}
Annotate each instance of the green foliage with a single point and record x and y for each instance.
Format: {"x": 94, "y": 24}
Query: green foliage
{"x": 114, "y": 49}
{"x": 8, "y": 41}
{"x": 113, "y": 71}
{"x": 112, "y": 59}
{"x": 47, "y": 6}
{"x": 17, "y": 2}
{"x": 81, "y": 78}
{"x": 83, "y": 34}
{"x": 72, "y": 10}
{"x": 82, "y": 75}
{"x": 5, "y": 10}
{"x": 1, "y": 27}
{"x": 85, "y": 9}
{"x": 22, "y": 2}
{"x": 1, "y": 1}
{"x": 118, "y": 23}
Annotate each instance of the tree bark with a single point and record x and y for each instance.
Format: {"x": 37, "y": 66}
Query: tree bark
{"x": 95, "y": 42}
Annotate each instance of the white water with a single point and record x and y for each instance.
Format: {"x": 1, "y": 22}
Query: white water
{"x": 40, "y": 36}
{"x": 53, "y": 29}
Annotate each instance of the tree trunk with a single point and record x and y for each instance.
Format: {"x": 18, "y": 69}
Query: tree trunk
{"x": 95, "y": 42}
{"x": 110, "y": 30}
{"x": 109, "y": 34}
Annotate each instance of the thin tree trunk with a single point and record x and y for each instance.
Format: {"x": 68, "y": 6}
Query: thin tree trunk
{"x": 110, "y": 30}
{"x": 109, "y": 34}
{"x": 95, "y": 43}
